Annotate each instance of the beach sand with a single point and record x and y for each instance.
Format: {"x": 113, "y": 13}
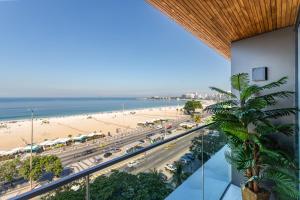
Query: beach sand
{"x": 17, "y": 133}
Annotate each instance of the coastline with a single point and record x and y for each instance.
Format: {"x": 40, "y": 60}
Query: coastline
{"x": 36, "y": 117}
{"x": 41, "y": 116}
{"x": 16, "y": 133}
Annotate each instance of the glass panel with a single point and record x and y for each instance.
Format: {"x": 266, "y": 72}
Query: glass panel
{"x": 298, "y": 98}
{"x": 184, "y": 167}
{"x": 74, "y": 190}
{"x": 216, "y": 171}
{"x": 209, "y": 172}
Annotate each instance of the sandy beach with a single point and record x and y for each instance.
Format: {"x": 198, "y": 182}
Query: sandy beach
{"x": 17, "y": 133}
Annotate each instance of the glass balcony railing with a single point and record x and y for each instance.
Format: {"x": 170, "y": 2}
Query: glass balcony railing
{"x": 185, "y": 163}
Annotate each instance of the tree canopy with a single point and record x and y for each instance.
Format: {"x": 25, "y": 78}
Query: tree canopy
{"x": 121, "y": 186}
{"x": 40, "y": 165}
{"x": 9, "y": 170}
{"x": 191, "y": 106}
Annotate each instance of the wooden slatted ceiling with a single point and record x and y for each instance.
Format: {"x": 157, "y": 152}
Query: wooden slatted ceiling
{"x": 219, "y": 22}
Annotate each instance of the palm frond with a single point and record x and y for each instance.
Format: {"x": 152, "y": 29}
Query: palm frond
{"x": 227, "y": 94}
{"x": 256, "y": 103}
{"x": 224, "y": 117}
{"x": 278, "y": 113}
{"x": 239, "y": 158}
{"x": 271, "y": 98}
{"x": 222, "y": 106}
{"x": 240, "y": 81}
{"x": 233, "y": 141}
{"x": 267, "y": 129}
{"x": 236, "y": 130}
{"x": 285, "y": 184}
{"x": 278, "y": 83}
{"x": 249, "y": 91}
{"x": 278, "y": 156}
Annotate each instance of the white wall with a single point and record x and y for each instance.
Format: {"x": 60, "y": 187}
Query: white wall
{"x": 275, "y": 50}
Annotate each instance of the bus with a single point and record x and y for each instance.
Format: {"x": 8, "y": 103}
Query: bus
{"x": 155, "y": 138}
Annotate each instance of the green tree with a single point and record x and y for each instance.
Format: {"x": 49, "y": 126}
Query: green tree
{"x": 120, "y": 186}
{"x": 52, "y": 164}
{"x": 191, "y": 106}
{"x": 247, "y": 120}
{"x": 152, "y": 186}
{"x": 9, "y": 170}
{"x": 66, "y": 194}
{"x": 197, "y": 118}
{"x": 40, "y": 165}
{"x": 36, "y": 172}
{"x": 179, "y": 175}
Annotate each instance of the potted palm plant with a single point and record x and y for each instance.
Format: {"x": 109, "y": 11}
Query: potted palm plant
{"x": 247, "y": 118}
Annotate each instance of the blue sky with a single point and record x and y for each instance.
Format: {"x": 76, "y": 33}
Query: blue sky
{"x": 101, "y": 48}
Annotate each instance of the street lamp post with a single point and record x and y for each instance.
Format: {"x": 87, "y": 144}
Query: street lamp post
{"x": 31, "y": 144}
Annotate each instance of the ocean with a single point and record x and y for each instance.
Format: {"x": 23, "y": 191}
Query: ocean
{"x": 20, "y": 108}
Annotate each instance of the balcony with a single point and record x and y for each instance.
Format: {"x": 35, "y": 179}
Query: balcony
{"x": 209, "y": 167}
{"x": 209, "y": 181}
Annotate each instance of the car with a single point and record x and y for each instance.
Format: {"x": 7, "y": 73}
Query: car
{"x": 149, "y": 135}
{"x": 134, "y": 149}
{"x": 163, "y": 177}
{"x": 190, "y": 156}
{"x": 107, "y": 154}
{"x": 142, "y": 141}
{"x": 132, "y": 163}
{"x": 169, "y": 126}
{"x": 159, "y": 126}
{"x": 170, "y": 167}
{"x": 116, "y": 150}
{"x": 185, "y": 160}
{"x": 98, "y": 159}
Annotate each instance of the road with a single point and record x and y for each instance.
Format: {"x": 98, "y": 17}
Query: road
{"x": 161, "y": 156}
{"x": 72, "y": 156}
{"x": 154, "y": 159}
{"x": 83, "y": 153}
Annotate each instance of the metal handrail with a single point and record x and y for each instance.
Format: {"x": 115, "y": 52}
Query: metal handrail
{"x": 84, "y": 173}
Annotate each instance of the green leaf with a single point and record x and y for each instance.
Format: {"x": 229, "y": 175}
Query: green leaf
{"x": 271, "y": 98}
{"x": 249, "y": 91}
{"x": 227, "y": 94}
{"x": 278, "y": 83}
{"x": 285, "y": 184}
{"x": 240, "y": 81}
{"x": 278, "y": 113}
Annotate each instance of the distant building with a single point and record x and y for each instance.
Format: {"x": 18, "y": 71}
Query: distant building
{"x": 191, "y": 95}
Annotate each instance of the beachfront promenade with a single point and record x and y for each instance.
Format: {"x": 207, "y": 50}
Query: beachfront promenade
{"x": 16, "y": 134}
{"x": 71, "y": 155}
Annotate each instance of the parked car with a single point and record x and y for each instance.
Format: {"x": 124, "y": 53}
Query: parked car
{"x": 185, "y": 160}
{"x": 190, "y": 156}
{"x": 159, "y": 126}
{"x": 107, "y": 154}
{"x": 163, "y": 177}
{"x": 170, "y": 167}
{"x": 98, "y": 159}
{"x": 169, "y": 126}
{"x": 132, "y": 163}
{"x": 142, "y": 141}
{"x": 116, "y": 150}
